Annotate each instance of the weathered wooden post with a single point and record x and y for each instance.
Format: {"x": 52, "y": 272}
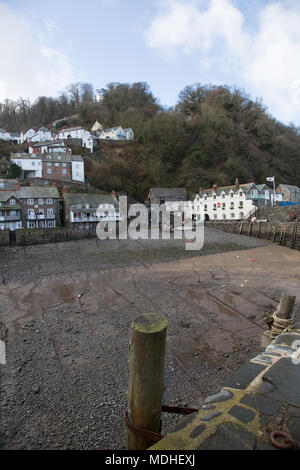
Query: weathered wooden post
{"x": 146, "y": 382}
{"x": 283, "y": 314}
{"x": 280, "y": 319}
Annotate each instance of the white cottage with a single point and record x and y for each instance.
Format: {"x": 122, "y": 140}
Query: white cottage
{"x": 37, "y": 135}
{"x": 77, "y": 133}
{"x": 117, "y": 133}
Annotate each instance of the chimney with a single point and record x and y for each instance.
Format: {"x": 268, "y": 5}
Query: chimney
{"x": 113, "y": 194}
{"x": 214, "y": 187}
{"x": 54, "y": 184}
{"x": 17, "y": 185}
{"x": 237, "y": 184}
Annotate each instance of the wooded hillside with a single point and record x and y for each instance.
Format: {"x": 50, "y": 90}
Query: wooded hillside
{"x": 212, "y": 135}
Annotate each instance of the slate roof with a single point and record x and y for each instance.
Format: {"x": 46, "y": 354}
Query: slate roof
{"x": 226, "y": 189}
{"x": 7, "y": 184}
{"x": 6, "y": 195}
{"x": 35, "y": 192}
{"x": 291, "y": 188}
{"x": 94, "y": 200}
{"x": 168, "y": 192}
{"x": 48, "y": 143}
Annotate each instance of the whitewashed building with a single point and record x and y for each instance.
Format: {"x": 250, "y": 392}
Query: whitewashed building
{"x": 97, "y": 127}
{"x": 117, "y": 133}
{"x": 77, "y": 133}
{"x": 230, "y": 202}
{"x": 37, "y": 135}
{"x": 30, "y": 164}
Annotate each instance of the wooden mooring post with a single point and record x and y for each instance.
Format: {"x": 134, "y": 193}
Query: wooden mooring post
{"x": 146, "y": 381}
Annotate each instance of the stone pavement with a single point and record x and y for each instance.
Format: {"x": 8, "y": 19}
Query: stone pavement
{"x": 261, "y": 397}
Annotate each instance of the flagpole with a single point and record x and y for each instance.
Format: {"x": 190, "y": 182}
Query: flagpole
{"x": 274, "y": 191}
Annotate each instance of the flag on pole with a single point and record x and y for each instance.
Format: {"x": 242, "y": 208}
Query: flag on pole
{"x": 270, "y": 178}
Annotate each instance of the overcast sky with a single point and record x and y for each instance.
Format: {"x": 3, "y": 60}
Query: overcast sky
{"x": 253, "y": 44}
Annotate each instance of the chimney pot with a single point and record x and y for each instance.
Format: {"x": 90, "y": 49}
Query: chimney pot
{"x": 237, "y": 184}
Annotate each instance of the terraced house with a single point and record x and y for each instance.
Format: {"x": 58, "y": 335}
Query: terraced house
{"x": 29, "y": 207}
{"x": 230, "y": 202}
{"x": 10, "y": 211}
{"x": 82, "y": 211}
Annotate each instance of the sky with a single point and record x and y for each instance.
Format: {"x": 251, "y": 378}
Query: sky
{"x": 251, "y": 44}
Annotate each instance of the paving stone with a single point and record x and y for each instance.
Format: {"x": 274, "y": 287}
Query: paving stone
{"x": 293, "y": 425}
{"x": 221, "y": 396}
{"x": 244, "y": 376}
{"x": 230, "y": 436}
{"x": 197, "y": 431}
{"x": 286, "y": 339}
{"x": 262, "y": 358}
{"x": 285, "y": 376}
{"x": 243, "y": 414}
{"x": 211, "y": 416}
{"x": 261, "y": 403}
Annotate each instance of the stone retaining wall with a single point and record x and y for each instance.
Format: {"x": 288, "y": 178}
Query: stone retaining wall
{"x": 285, "y": 234}
{"x": 42, "y": 236}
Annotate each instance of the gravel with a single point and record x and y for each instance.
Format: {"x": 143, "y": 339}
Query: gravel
{"x": 65, "y": 382}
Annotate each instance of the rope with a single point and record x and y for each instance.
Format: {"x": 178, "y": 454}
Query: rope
{"x": 279, "y": 325}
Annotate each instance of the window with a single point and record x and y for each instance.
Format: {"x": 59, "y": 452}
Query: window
{"x": 241, "y": 205}
{"x": 64, "y": 164}
{"x": 12, "y": 202}
{"x": 49, "y": 201}
{"x": 56, "y": 164}
{"x": 215, "y": 216}
{"x": 64, "y": 172}
{"x": 49, "y": 171}
{"x": 50, "y": 223}
{"x": 78, "y": 206}
{"x": 223, "y": 205}
{"x": 223, "y": 195}
{"x": 215, "y": 196}
{"x": 30, "y": 224}
{"x": 241, "y": 193}
{"x": 231, "y": 194}
{"x": 49, "y": 163}
{"x": 30, "y": 202}
{"x": 87, "y": 206}
{"x": 41, "y": 201}
{"x": 50, "y": 211}
{"x": 232, "y": 215}
{"x": 33, "y": 163}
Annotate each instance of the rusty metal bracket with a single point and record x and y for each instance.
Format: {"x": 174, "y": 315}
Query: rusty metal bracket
{"x": 178, "y": 409}
{"x": 154, "y": 436}
{"x": 289, "y": 444}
